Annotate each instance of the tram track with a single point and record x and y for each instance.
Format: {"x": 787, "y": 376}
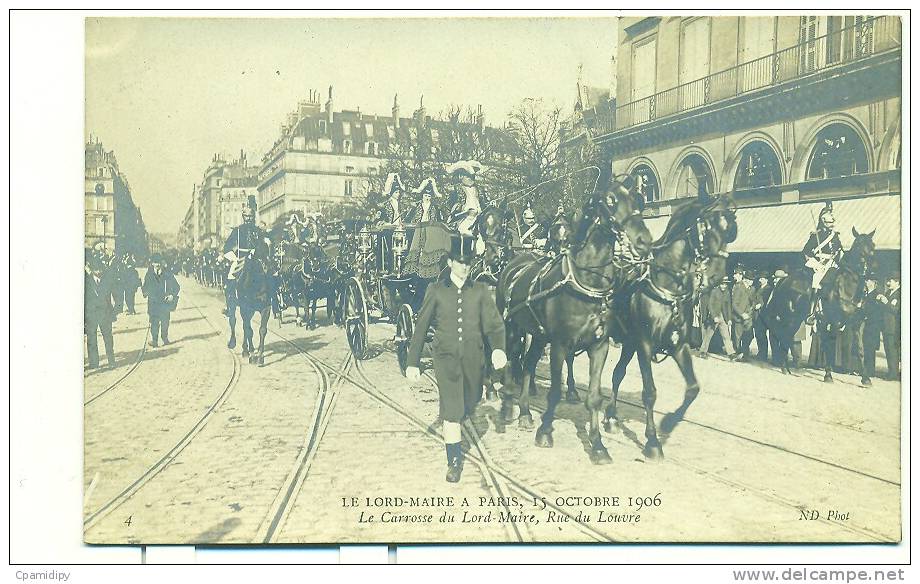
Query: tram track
{"x": 163, "y": 462}
{"x": 273, "y": 524}
{"x": 140, "y": 357}
{"x": 748, "y": 487}
{"x": 741, "y": 437}
{"x": 510, "y": 482}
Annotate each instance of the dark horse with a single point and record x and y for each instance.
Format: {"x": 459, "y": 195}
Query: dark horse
{"x": 840, "y": 291}
{"x": 252, "y": 294}
{"x": 564, "y": 301}
{"x": 319, "y": 284}
{"x": 493, "y": 227}
{"x": 653, "y": 315}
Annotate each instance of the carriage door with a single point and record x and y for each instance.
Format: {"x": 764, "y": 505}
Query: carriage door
{"x": 694, "y": 62}
{"x": 757, "y": 44}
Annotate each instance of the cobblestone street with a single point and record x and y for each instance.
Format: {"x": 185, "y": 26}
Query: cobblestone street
{"x": 190, "y": 443}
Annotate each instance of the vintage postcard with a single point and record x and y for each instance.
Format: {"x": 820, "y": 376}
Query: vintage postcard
{"x": 429, "y": 279}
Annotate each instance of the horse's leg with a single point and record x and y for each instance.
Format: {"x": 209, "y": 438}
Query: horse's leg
{"x": 619, "y": 373}
{"x": 313, "y": 304}
{"x": 231, "y": 317}
{"x": 531, "y": 385}
{"x": 557, "y": 356}
{"x": 571, "y": 394}
{"x": 514, "y": 372}
{"x": 263, "y": 330}
{"x": 685, "y": 364}
{"x": 828, "y": 351}
{"x": 246, "y": 315}
{"x": 595, "y": 401}
{"x": 525, "y": 418}
{"x": 649, "y": 395}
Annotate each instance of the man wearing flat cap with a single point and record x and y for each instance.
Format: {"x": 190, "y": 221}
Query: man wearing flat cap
{"x": 465, "y": 321}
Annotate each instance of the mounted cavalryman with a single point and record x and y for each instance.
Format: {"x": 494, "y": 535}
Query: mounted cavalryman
{"x": 242, "y": 241}
{"x": 465, "y": 319}
{"x": 822, "y": 252}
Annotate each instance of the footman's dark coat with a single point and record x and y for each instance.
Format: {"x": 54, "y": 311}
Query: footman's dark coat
{"x": 463, "y": 319}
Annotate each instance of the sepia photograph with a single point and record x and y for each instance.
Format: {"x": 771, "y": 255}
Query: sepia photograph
{"x": 410, "y": 279}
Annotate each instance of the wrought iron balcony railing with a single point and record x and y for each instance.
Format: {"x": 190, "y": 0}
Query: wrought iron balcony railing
{"x": 872, "y": 36}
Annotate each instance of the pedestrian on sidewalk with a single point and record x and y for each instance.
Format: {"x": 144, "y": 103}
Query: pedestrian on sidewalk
{"x": 871, "y": 329}
{"x": 720, "y": 310}
{"x": 465, "y": 319}
{"x": 891, "y": 325}
{"x": 131, "y": 281}
{"x": 162, "y": 293}
{"x": 98, "y": 312}
{"x": 743, "y": 302}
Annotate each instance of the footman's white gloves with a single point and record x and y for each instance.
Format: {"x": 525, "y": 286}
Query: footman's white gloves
{"x": 499, "y": 360}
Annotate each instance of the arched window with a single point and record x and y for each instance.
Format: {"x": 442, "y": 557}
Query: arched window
{"x": 694, "y": 178}
{"x": 839, "y": 151}
{"x": 759, "y": 167}
{"x": 646, "y": 183}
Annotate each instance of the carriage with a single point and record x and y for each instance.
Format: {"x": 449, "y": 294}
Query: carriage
{"x": 382, "y": 287}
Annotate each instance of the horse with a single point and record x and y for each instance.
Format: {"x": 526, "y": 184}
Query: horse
{"x": 319, "y": 283}
{"x": 653, "y": 315}
{"x": 252, "y": 294}
{"x": 492, "y": 225}
{"x": 840, "y": 291}
{"x": 564, "y": 301}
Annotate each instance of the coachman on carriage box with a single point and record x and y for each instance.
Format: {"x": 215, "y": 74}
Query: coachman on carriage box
{"x": 465, "y": 320}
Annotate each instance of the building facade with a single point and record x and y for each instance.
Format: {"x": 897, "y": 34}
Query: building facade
{"x": 782, "y": 112}
{"x": 217, "y": 202}
{"x": 110, "y": 215}
{"x": 325, "y": 157}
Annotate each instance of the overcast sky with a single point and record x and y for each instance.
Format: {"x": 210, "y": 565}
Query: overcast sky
{"x": 166, "y": 94}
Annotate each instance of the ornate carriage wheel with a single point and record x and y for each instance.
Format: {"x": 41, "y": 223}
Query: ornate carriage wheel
{"x": 405, "y": 325}
{"x": 356, "y": 319}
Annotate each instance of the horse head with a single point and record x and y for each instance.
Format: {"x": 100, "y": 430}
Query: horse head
{"x": 861, "y": 253}
{"x": 617, "y": 205}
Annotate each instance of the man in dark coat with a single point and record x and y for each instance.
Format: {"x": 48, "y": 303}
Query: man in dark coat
{"x": 720, "y": 310}
{"x": 743, "y": 302}
{"x": 98, "y": 312}
{"x": 762, "y": 294}
{"x": 891, "y": 325}
{"x": 871, "y": 328}
{"x": 130, "y": 282}
{"x": 162, "y": 293}
{"x": 465, "y": 318}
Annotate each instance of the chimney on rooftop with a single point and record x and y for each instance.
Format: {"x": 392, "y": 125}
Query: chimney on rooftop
{"x": 396, "y": 110}
{"x": 329, "y": 106}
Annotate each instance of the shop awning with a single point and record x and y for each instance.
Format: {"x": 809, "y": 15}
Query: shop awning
{"x": 785, "y": 228}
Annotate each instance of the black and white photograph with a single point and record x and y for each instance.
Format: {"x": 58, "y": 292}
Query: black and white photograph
{"x": 522, "y": 279}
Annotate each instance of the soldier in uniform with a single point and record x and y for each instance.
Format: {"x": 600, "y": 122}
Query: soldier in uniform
{"x": 822, "y": 251}
{"x": 533, "y": 234}
{"x": 162, "y": 293}
{"x": 465, "y": 318}
{"x": 243, "y": 239}
{"x": 98, "y": 312}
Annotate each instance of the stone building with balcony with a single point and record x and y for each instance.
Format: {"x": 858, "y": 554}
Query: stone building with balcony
{"x": 110, "y": 215}
{"x": 782, "y": 112}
